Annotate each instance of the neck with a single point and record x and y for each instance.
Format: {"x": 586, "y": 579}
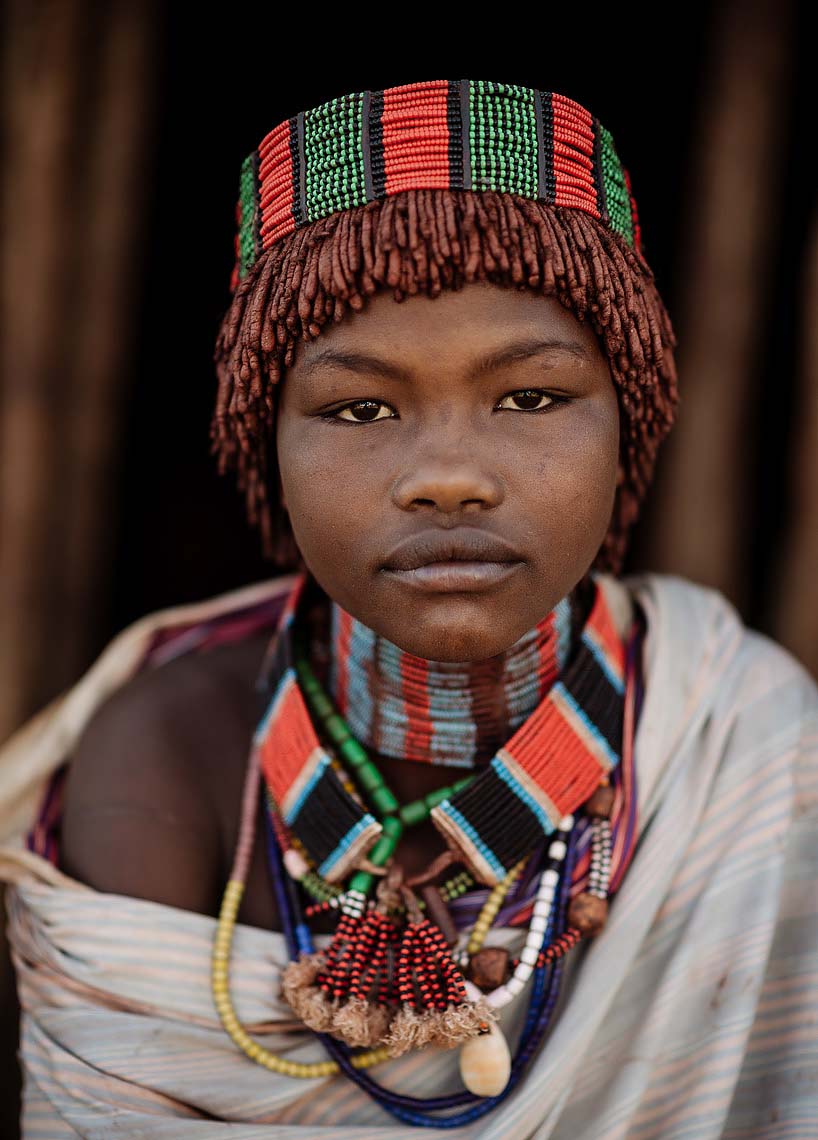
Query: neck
{"x": 444, "y": 712}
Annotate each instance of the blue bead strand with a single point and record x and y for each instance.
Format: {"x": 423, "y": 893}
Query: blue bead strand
{"x": 543, "y": 998}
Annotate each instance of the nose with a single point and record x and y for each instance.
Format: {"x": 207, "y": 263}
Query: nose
{"x": 447, "y": 483}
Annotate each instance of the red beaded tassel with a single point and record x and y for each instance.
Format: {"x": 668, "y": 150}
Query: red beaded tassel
{"x": 435, "y": 1008}
{"x": 346, "y": 990}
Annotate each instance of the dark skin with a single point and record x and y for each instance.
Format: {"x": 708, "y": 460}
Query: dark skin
{"x": 452, "y": 447}
{"x": 447, "y": 446}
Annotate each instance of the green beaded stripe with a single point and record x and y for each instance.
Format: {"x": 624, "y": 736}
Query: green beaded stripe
{"x": 503, "y": 138}
{"x": 616, "y": 191}
{"x": 334, "y": 156}
{"x": 249, "y": 207}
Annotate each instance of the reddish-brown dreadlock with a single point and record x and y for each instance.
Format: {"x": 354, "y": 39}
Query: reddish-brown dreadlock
{"x": 424, "y": 241}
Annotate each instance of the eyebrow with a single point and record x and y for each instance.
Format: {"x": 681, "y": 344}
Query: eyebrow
{"x": 510, "y": 354}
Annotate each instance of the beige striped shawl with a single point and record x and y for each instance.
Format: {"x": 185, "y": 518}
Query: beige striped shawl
{"x": 693, "y": 1015}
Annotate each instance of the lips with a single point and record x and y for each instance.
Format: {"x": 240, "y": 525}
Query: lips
{"x": 468, "y": 544}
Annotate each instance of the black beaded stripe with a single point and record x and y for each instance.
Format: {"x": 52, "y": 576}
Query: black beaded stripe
{"x": 256, "y": 162}
{"x": 296, "y": 146}
{"x": 373, "y": 150}
{"x": 278, "y": 659}
{"x": 465, "y": 126}
{"x": 538, "y": 120}
{"x": 326, "y": 816}
{"x": 582, "y": 599}
{"x": 591, "y": 688}
{"x": 599, "y": 180}
{"x": 545, "y": 121}
{"x": 296, "y": 157}
{"x": 455, "y": 124}
{"x": 489, "y": 808}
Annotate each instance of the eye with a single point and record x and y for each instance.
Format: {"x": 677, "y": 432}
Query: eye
{"x": 532, "y": 396}
{"x": 365, "y": 411}
{"x": 367, "y": 405}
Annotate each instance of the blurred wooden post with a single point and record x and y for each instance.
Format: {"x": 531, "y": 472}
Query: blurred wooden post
{"x": 78, "y": 109}
{"x": 795, "y": 614}
{"x": 698, "y": 507}
{"x": 78, "y": 97}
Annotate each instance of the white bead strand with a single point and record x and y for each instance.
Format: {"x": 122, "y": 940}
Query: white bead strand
{"x": 535, "y": 940}
{"x": 600, "y": 873}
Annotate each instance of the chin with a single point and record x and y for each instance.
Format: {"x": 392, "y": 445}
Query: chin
{"x": 457, "y": 638}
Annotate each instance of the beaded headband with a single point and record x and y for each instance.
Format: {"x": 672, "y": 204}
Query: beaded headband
{"x": 442, "y": 134}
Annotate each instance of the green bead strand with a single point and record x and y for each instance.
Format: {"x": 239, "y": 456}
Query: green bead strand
{"x": 319, "y": 888}
{"x": 393, "y": 816}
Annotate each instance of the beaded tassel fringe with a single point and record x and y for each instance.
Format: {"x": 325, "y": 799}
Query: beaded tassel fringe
{"x": 376, "y": 985}
{"x": 330, "y": 989}
{"x": 436, "y": 1008}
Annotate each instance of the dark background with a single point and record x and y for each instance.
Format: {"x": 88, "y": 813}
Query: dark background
{"x": 171, "y": 503}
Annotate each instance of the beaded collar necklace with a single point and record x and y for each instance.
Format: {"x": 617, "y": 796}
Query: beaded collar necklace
{"x": 552, "y": 763}
{"x": 442, "y": 712}
{"x": 428, "y": 1000}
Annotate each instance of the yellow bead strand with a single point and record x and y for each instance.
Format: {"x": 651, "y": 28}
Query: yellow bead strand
{"x": 491, "y": 906}
{"x": 221, "y": 996}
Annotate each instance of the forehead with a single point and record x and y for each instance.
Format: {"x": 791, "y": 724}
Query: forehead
{"x": 476, "y": 318}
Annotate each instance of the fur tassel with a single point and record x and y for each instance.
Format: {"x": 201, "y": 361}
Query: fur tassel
{"x": 299, "y": 991}
{"x": 435, "y": 1007}
{"x": 445, "y": 1028}
{"x": 346, "y": 990}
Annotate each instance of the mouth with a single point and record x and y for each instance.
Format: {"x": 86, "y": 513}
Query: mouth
{"x": 455, "y": 576}
{"x": 440, "y": 560}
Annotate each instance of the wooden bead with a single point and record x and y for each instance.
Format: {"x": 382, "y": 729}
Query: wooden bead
{"x": 600, "y": 805}
{"x": 489, "y": 967}
{"x": 588, "y": 913}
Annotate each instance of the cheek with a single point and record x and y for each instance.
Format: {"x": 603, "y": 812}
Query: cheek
{"x": 324, "y": 478}
{"x": 574, "y": 474}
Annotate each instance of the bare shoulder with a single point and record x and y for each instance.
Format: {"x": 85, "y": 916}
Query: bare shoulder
{"x": 141, "y": 813}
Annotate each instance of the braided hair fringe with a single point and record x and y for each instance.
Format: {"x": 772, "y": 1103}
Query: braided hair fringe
{"x": 427, "y": 240}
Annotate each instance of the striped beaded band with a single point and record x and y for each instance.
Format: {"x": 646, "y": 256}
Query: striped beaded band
{"x": 442, "y": 134}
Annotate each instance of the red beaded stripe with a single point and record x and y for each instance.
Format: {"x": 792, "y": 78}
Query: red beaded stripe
{"x": 574, "y": 155}
{"x": 569, "y": 765}
{"x": 601, "y": 630}
{"x": 558, "y": 947}
{"x": 569, "y": 771}
{"x": 341, "y": 662}
{"x": 276, "y": 185}
{"x": 419, "y": 724}
{"x": 285, "y": 752}
{"x": 416, "y": 136}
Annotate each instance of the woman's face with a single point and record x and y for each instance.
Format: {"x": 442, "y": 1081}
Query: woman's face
{"x": 485, "y": 413}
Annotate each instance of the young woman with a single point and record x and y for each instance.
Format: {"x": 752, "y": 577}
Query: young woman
{"x": 448, "y": 824}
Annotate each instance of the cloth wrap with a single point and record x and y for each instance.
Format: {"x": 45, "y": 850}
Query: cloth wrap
{"x": 693, "y": 1014}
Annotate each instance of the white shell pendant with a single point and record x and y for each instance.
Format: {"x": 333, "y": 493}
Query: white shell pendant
{"x": 485, "y": 1061}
